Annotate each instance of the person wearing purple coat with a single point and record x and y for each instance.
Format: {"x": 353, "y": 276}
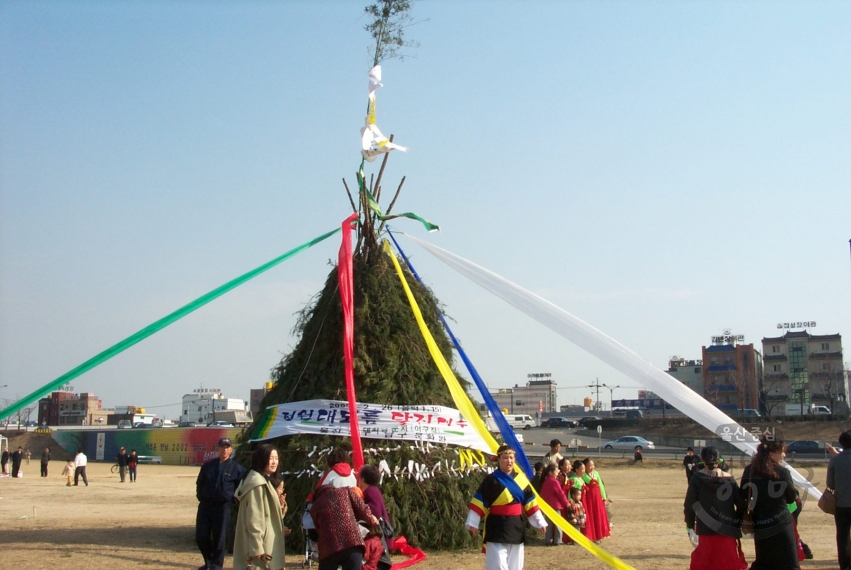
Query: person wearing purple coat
{"x": 368, "y": 483}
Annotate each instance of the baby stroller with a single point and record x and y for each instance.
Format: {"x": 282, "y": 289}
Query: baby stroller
{"x": 311, "y": 550}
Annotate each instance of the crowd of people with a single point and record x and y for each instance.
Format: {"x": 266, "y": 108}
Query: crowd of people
{"x": 351, "y": 525}
{"x": 348, "y": 508}
{"x": 765, "y": 504}
{"x": 576, "y": 490}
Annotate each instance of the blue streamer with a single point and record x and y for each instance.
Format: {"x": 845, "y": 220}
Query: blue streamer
{"x": 505, "y": 430}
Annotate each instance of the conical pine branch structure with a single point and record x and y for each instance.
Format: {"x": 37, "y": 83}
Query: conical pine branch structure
{"x": 392, "y": 366}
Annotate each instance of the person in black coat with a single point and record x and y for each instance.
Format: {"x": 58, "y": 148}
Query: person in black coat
{"x": 713, "y": 509}
{"x": 123, "y": 461}
{"x": 214, "y": 490}
{"x": 17, "y": 457}
{"x": 769, "y": 489}
{"x": 690, "y": 463}
{"x": 45, "y": 459}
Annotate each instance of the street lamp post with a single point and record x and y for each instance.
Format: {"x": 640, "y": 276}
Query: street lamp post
{"x": 611, "y": 397}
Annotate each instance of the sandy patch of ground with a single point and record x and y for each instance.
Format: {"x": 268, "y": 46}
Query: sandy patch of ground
{"x": 150, "y": 523}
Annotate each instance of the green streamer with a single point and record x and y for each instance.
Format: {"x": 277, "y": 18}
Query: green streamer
{"x": 157, "y": 326}
{"x": 373, "y": 205}
{"x": 428, "y": 225}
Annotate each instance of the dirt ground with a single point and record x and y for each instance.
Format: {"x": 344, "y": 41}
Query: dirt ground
{"x": 150, "y": 523}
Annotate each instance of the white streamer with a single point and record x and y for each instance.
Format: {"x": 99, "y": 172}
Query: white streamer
{"x": 606, "y": 349}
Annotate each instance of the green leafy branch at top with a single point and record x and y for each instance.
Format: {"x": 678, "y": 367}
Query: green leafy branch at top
{"x": 390, "y": 18}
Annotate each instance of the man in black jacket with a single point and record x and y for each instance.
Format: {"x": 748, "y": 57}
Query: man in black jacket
{"x": 45, "y": 459}
{"x": 123, "y": 460}
{"x": 17, "y": 457}
{"x": 214, "y": 489}
{"x": 690, "y": 463}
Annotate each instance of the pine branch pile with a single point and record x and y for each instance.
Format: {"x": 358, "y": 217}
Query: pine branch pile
{"x": 392, "y": 366}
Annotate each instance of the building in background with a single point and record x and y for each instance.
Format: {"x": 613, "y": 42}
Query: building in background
{"x": 804, "y": 369}
{"x": 70, "y": 409}
{"x": 538, "y": 395}
{"x": 205, "y": 405}
{"x": 689, "y": 372}
{"x": 732, "y": 374}
{"x": 256, "y": 397}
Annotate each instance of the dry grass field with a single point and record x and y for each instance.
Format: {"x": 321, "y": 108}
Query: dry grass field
{"x": 150, "y": 523}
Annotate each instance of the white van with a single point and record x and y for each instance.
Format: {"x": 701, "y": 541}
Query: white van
{"x": 520, "y": 421}
{"x": 819, "y": 410}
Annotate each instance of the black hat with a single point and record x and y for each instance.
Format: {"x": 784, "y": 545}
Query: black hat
{"x": 225, "y": 442}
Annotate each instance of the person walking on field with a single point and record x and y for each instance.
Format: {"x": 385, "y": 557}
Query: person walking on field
{"x": 27, "y": 455}
{"x": 502, "y": 499}
{"x": 713, "y": 509}
{"x": 45, "y": 459}
{"x": 122, "y": 460}
{"x": 68, "y": 472}
{"x": 4, "y": 461}
{"x": 839, "y": 480}
{"x": 132, "y": 462}
{"x": 17, "y": 457}
{"x": 80, "y": 461}
{"x": 214, "y": 490}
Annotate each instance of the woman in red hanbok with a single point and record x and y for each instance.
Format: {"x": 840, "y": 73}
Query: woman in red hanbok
{"x": 594, "y": 500}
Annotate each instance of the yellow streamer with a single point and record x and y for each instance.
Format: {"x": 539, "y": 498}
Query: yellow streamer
{"x": 479, "y": 457}
{"x": 468, "y": 410}
{"x": 463, "y": 458}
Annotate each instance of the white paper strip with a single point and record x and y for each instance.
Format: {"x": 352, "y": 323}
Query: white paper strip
{"x": 609, "y": 351}
{"x": 374, "y": 80}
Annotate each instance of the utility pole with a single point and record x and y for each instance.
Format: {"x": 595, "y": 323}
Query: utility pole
{"x": 596, "y": 385}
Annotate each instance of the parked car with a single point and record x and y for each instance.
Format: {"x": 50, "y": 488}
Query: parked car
{"x": 584, "y": 421}
{"x": 187, "y": 424}
{"x": 522, "y": 421}
{"x": 559, "y": 423}
{"x": 125, "y": 424}
{"x": 220, "y": 423}
{"x": 629, "y": 442}
{"x": 804, "y": 446}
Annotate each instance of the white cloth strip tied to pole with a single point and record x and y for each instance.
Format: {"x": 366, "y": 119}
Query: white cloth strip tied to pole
{"x": 609, "y": 351}
{"x": 373, "y": 142}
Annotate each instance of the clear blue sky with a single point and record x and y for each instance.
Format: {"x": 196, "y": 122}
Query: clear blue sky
{"x": 662, "y": 170}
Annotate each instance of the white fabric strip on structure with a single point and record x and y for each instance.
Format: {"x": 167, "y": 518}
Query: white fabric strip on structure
{"x": 606, "y": 349}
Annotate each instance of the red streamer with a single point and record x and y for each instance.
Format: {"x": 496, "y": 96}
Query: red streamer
{"x": 400, "y": 545}
{"x": 345, "y": 276}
